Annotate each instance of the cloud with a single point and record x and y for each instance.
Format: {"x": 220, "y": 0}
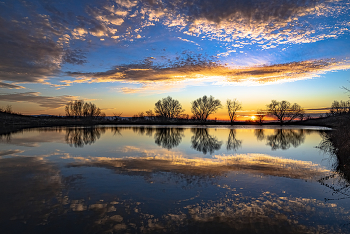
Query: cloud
{"x": 195, "y": 71}
{"x": 34, "y": 46}
{"x": 265, "y": 23}
{"x": 10, "y": 86}
{"x": 35, "y": 97}
{"x": 74, "y": 57}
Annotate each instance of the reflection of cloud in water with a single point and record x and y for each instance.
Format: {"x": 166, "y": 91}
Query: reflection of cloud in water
{"x": 10, "y": 152}
{"x": 30, "y": 190}
{"x": 36, "y": 200}
{"x": 267, "y": 213}
{"x": 217, "y": 165}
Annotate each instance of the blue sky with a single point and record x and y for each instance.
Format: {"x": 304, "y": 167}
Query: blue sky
{"x": 124, "y": 55}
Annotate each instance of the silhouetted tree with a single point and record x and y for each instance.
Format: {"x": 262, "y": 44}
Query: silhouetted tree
{"x": 260, "y": 115}
{"x": 117, "y": 115}
{"x": 150, "y": 114}
{"x": 341, "y": 107}
{"x": 284, "y": 111}
{"x": 232, "y": 142}
{"x": 74, "y": 108}
{"x": 78, "y": 109}
{"x": 168, "y": 108}
{"x": 168, "y": 137}
{"x": 91, "y": 110}
{"x": 232, "y": 107}
{"x": 203, "y": 142}
{"x": 8, "y": 109}
{"x": 204, "y": 106}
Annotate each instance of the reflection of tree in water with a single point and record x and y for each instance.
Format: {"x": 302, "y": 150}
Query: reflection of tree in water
{"x": 203, "y": 142}
{"x": 337, "y": 145}
{"x": 168, "y": 137}
{"x": 82, "y": 136}
{"x": 232, "y": 142}
{"x": 283, "y": 138}
{"x": 260, "y": 134}
{"x": 148, "y": 131}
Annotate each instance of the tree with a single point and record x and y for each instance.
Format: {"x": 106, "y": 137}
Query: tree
{"x": 260, "y": 115}
{"x": 91, "y": 110}
{"x": 232, "y": 107}
{"x": 204, "y": 106}
{"x": 284, "y": 111}
{"x": 335, "y": 108}
{"x": 341, "y": 107}
{"x": 78, "y": 109}
{"x": 150, "y": 114}
{"x": 74, "y": 108}
{"x": 168, "y": 108}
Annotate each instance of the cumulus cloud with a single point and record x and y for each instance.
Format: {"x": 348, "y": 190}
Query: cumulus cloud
{"x": 35, "y": 46}
{"x": 265, "y": 23}
{"x": 35, "y": 97}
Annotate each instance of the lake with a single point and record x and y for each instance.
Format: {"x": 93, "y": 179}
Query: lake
{"x": 166, "y": 179}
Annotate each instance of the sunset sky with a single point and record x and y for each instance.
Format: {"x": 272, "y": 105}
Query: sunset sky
{"x": 125, "y": 55}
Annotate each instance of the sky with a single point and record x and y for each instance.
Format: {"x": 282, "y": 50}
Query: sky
{"x": 125, "y": 55}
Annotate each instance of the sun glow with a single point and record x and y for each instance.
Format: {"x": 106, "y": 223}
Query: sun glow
{"x": 253, "y": 117}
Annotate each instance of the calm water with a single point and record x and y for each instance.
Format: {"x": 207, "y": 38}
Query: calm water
{"x": 141, "y": 179}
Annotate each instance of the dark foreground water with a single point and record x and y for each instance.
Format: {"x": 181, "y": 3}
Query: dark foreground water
{"x": 141, "y": 179}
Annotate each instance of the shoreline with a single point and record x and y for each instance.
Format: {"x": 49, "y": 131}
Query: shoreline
{"x": 12, "y": 122}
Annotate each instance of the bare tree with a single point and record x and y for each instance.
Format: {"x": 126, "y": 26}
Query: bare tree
{"x": 79, "y": 109}
{"x": 74, "y": 108}
{"x": 9, "y": 109}
{"x": 117, "y": 115}
{"x": 232, "y": 107}
{"x": 91, "y": 110}
{"x": 341, "y": 107}
{"x": 204, "y": 106}
{"x": 335, "y": 108}
{"x": 283, "y": 110}
{"x": 168, "y": 108}
{"x": 260, "y": 115}
{"x": 295, "y": 111}
{"x": 150, "y": 114}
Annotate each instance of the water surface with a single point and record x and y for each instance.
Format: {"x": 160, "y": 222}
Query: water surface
{"x": 163, "y": 179}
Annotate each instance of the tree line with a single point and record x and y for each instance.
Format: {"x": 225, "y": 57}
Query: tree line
{"x": 80, "y": 109}
{"x": 201, "y": 108}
